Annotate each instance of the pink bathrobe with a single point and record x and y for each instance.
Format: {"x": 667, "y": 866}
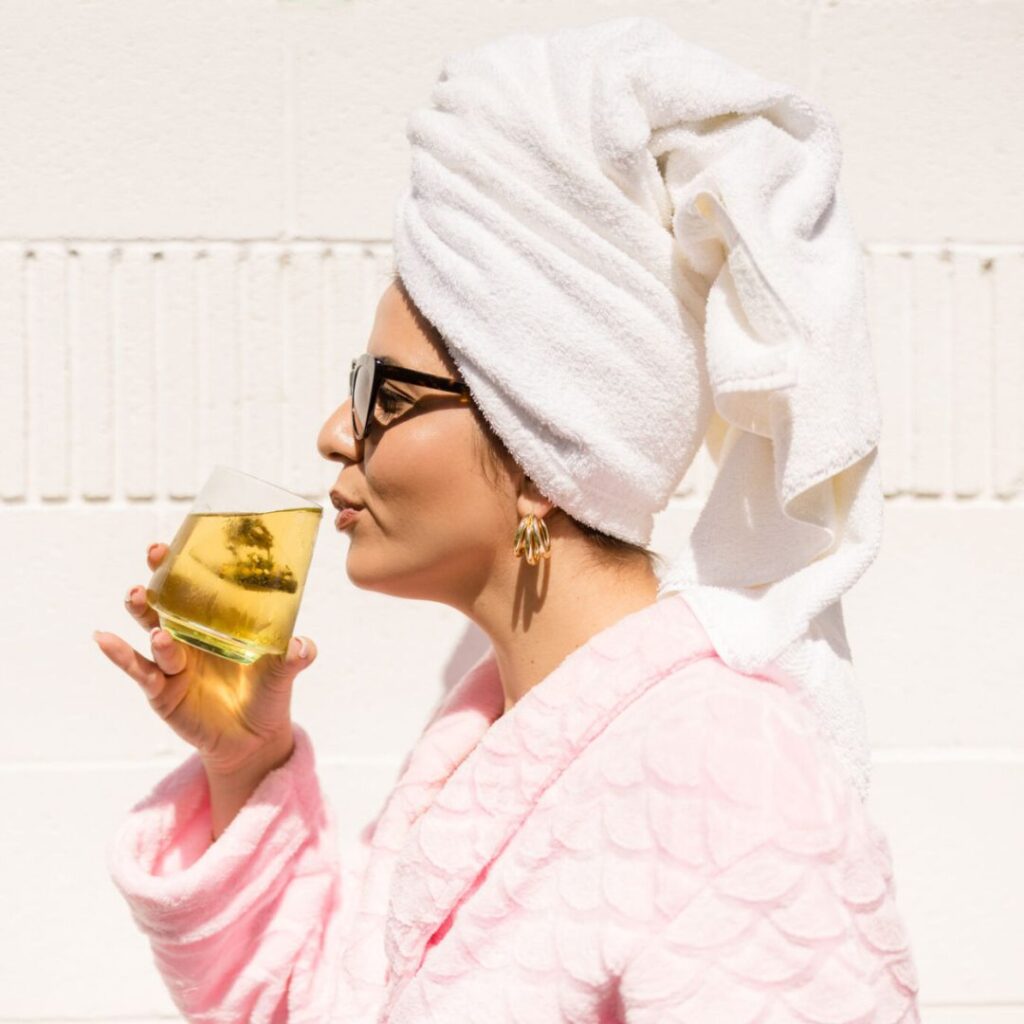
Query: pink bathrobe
{"x": 646, "y": 837}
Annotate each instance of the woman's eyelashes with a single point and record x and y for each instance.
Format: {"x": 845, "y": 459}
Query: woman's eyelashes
{"x": 391, "y": 401}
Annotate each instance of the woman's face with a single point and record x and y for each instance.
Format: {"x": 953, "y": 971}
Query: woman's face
{"x": 432, "y": 524}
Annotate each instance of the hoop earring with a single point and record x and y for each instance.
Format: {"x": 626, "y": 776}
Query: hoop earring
{"x": 532, "y": 538}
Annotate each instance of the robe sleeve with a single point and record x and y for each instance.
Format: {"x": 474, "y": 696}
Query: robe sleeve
{"x": 247, "y": 927}
{"x": 777, "y": 888}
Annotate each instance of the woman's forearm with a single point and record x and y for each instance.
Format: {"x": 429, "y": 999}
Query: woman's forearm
{"x": 230, "y": 790}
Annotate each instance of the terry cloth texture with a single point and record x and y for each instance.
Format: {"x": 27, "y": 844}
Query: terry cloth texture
{"x": 633, "y": 246}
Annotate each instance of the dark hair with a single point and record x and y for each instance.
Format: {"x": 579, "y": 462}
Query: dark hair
{"x": 492, "y": 452}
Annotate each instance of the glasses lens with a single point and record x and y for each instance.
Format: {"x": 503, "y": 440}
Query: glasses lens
{"x": 360, "y": 385}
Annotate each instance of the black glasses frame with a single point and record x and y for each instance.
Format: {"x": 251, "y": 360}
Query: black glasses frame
{"x": 381, "y": 372}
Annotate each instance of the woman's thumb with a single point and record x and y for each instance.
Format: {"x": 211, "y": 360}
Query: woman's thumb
{"x": 300, "y": 654}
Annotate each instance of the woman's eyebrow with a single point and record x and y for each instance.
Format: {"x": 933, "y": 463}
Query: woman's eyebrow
{"x": 398, "y": 385}
{"x": 401, "y": 366}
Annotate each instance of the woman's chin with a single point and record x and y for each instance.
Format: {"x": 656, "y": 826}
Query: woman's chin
{"x": 404, "y": 582}
{"x": 357, "y": 572}
{"x": 365, "y": 575}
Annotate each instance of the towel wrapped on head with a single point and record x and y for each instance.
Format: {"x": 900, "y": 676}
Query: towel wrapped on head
{"x": 632, "y": 246}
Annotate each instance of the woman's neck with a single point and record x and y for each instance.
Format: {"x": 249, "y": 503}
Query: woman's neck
{"x": 546, "y": 611}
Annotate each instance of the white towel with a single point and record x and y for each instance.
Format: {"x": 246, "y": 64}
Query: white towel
{"x": 633, "y": 246}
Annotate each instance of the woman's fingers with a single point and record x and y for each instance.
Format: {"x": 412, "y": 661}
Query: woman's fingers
{"x": 155, "y": 555}
{"x": 145, "y": 672}
{"x": 168, "y": 653}
{"x": 135, "y": 599}
{"x": 135, "y": 602}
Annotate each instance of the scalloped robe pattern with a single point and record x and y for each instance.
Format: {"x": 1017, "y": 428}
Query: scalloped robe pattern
{"x": 646, "y": 837}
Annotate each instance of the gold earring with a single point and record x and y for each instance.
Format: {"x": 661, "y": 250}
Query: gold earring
{"x": 533, "y": 538}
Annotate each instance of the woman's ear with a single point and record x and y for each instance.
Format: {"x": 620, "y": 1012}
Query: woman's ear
{"x": 530, "y": 499}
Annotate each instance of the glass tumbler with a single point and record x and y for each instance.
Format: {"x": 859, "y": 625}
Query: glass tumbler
{"x": 232, "y": 581}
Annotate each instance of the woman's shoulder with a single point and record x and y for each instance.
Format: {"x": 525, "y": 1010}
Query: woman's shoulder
{"x": 740, "y": 705}
{"x": 734, "y": 705}
{"x": 737, "y": 749}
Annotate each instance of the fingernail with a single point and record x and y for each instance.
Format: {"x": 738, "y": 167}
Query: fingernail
{"x": 131, "y": 594}
{"x": 301, "y": 648}
{"x": 96, "y": 635}
{"x": 153, "y": 547}
{"x": 153, "y": 632}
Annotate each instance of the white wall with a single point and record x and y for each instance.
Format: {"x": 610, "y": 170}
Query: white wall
{"x": 194, "y": 217}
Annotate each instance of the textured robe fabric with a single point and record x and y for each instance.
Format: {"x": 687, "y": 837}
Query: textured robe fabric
{"x": 646, "y": 837}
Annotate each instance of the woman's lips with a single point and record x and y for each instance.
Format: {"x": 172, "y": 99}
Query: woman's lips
{"x": 346, "y": 517}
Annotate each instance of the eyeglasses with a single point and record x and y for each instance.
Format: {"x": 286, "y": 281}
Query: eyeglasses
{"x": 367, "y": 375}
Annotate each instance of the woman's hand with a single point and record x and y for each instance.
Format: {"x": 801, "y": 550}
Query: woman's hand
{"x": 233, "y": 714}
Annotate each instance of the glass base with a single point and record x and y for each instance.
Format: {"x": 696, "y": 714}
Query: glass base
{"x": 209, "y": 640}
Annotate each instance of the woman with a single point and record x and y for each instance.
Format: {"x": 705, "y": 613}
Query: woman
{"x": 605, "y": 819}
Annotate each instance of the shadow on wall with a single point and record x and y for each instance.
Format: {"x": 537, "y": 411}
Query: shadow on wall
{"x": 468, "y": 651}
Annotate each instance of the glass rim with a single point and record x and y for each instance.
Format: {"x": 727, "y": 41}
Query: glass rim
{"x": 306, "y": 502}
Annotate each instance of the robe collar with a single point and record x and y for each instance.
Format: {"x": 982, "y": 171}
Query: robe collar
{"x": 476, "y": 773}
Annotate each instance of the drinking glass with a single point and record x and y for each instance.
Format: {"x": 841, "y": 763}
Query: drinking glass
{"x": 232, "y": 581}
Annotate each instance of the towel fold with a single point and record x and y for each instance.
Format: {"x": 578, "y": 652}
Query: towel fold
{"x": 633, "y": 246}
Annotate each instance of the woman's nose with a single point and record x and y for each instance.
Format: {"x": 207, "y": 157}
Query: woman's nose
{"x": 336, "y": 442}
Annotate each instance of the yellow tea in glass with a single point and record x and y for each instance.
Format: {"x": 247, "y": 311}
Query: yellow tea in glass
{"x": 232, "y": 581}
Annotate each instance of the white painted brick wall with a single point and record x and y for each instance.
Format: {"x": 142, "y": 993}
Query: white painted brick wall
{"x": 194, "y": 220}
